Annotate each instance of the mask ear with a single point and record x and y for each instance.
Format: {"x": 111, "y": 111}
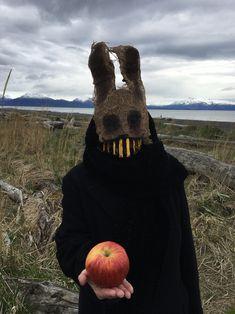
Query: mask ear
{"x": 129, "y": 60}
{"x": 102, "y": 70}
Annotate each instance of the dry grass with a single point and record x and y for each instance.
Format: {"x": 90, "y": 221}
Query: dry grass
{"x": 213, "y": 225}
{"x": 32, "y": 155}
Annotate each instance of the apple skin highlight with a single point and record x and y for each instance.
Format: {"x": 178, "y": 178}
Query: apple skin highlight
{"x": 107, "y": 264}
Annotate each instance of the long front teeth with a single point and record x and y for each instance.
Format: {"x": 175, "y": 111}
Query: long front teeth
{"x": 114, "y": 147}
{"x": 139, "y": 142}
{"x": 120, "y": 146}
{"x": 133, "y": 146}
{"x": 128, "y": 152}
{"x": 108, "y": 147}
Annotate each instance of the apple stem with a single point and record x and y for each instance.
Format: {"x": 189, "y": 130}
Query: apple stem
{"x": 106, "y": 252}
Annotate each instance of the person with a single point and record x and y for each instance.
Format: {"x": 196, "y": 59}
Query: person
{"x": 129, "y": 190}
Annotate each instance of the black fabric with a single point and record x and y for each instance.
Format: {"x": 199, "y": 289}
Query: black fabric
{"x": 147, "y": 173}
{"x": 140, "y": 203}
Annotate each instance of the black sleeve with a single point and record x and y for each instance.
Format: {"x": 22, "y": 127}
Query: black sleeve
{"x": 189, "y": 268}
{"x": 72, "y": 238}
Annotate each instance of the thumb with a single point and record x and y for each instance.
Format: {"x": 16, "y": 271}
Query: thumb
{"x": 82, "y": 278}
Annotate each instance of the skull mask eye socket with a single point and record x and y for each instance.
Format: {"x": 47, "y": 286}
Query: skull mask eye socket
{"x": 111, "y": 122}
{"x": 134, "y": 119}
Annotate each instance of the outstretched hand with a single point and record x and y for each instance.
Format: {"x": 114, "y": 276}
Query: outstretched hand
{"x": 123, "y": 290}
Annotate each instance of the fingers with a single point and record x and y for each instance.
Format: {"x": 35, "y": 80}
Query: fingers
{"x": 123, "y": 290}
{"x": 128, "y": 286}
{"x": 119, "y": 292}
{"x": 113, "y": 293}
{"x": 103, "y": 293}
{"x": 126, "y": 293}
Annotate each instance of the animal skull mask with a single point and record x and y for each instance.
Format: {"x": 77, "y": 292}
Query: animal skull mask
{"x": 120, "y": 116}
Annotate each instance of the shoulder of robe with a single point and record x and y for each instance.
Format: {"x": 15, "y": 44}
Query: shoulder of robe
{"x": 178, "y": 173}
{"x": 76, "y": 175}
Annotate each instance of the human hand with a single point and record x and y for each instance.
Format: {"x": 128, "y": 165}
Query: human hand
{"x": 123, "y": 290}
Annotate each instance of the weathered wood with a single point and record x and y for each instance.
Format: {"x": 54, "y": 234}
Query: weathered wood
{"x": 61, "y": 124}
{"x": 176, "y": 124}
{"x": 193, "y": 140}
{"x": 40, "y": 215}
{"x": 54, "y": 124}
{"x": 73, "y": 123}
{"x": 201, "y": 163}
{"x": 14, "y": 193}
{"x": 46, "y": 297}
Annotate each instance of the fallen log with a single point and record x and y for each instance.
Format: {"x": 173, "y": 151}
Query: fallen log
{"x": 73, "y": 123}
{"x": 193, "y": 140}
{"x": 201, "y": 163}
{"x": 41, "y": 215}
{"x": 176, "y": 124}
{"x": 52, "y": 125}
{"x": 14, "y": 193}
{"x": 44, "y": 297}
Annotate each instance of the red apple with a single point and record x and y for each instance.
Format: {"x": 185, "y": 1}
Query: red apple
{"x": 107, "y": 264}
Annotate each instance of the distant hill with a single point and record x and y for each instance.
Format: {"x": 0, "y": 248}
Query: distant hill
{"x": 194, "y": 106}
{"x": 36, "y": 101}
{"x": 42, "y": 101}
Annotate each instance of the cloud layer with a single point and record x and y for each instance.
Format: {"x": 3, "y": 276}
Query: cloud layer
{"x": 187, "y": 48}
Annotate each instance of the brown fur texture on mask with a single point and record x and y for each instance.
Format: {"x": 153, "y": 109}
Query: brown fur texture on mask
{"x": 117, "y": 110}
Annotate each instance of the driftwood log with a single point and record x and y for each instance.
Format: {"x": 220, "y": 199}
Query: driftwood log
{"x": 52, "y": 125}
{"x": 61, "y": 124}
{"x": 192, "y": 140}
{"x": 201, "y": 163}
{"x": 14, "y": 193}
{"x": 176, "y": 124}
{"x": 39, "y": 213}
{"x": 44, "y": 297}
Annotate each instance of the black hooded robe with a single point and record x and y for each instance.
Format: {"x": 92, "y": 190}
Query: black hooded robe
{"x": 139, "y": 203}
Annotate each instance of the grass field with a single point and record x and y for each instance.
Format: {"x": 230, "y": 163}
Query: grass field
{"x": 34, "y": 157}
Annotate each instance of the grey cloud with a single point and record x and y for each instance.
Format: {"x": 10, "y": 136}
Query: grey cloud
{"x": 164, "y": 28}
{"x": 228, "y": 89}
{"x": 49, "y": 41}
{"x": 18, "y": 20}
{"x": 201, "y": 51}
{"x": 230, "y": 100}
{"x": 66, "y": 10}
{"x": 35, "y": 76}
{"x": 5, "y": 60}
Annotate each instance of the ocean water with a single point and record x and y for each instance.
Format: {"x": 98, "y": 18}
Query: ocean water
{"x": 204, "y": 115}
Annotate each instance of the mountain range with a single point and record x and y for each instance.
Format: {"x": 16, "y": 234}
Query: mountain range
{"x": 28, "y": 100}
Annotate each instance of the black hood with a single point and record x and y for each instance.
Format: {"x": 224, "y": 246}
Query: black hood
{"x": 151, "y": 170}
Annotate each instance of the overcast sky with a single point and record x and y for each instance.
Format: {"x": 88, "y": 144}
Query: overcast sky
{"x": 187, "y": 47}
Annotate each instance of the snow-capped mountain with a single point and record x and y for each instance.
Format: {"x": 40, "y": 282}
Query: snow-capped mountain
{"x": 34, "y": 95}
{"x": 37, "y": 100}
{"x": 205, "y": 101}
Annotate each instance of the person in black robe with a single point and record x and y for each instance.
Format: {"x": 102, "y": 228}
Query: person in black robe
{"x": 129, "y": 190}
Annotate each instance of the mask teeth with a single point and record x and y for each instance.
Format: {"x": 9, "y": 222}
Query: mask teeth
{"x": 120, "y": 148}
{"x": 133, "y": 145}
{"x": 108, "y": 147}
{"x": 139, "y": 142}
{"x": 128, "y": 152}
{"x": 114, "y": 148}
